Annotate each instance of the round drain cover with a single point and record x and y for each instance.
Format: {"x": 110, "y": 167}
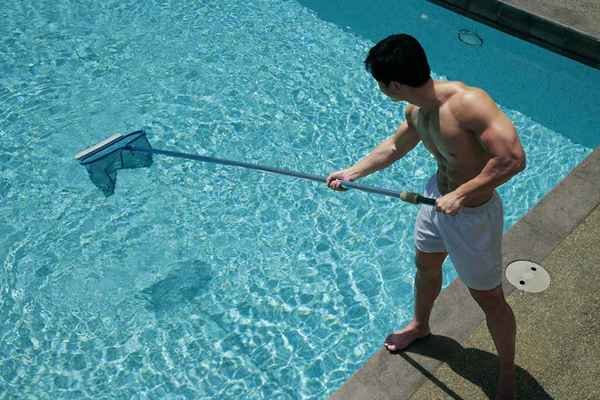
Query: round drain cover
{"x": 528, "y": 276}
{"x": 470, "y": 38}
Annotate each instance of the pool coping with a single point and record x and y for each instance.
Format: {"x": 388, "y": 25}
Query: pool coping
{"x": 543, "y": 31}
{"x": 456, "y": 315}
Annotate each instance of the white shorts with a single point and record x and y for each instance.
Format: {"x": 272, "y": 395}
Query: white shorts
{"x": 472, "y": 238}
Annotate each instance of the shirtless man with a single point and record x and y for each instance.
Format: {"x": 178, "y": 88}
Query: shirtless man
{"x": 477, "y": 149}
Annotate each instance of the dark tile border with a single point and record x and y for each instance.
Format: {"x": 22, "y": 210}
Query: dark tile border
{"x": 455, "y": 315}
{"x": 544, "y": 32}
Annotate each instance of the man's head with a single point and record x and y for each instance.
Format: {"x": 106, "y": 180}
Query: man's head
{"x": 398, "y": 58}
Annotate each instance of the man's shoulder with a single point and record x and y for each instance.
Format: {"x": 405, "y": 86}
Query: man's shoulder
{"x": 469, "y": 95}
{"x": 471, "y": 103}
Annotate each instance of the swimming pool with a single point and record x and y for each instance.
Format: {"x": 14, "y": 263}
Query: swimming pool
{"x": 198, "y": 281}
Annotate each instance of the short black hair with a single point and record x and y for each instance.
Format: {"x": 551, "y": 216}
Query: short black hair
{"x": 398, "y": 58}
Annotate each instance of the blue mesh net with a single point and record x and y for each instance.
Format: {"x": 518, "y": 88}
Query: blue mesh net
{"x": 104, "y": 160}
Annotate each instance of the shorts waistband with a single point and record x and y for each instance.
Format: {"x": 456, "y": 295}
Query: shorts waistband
{"x": 490, "y": 203}
{"x": 432, "y": 190}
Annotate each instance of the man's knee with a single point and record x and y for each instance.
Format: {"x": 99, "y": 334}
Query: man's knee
{"x": 490, "y": 301}
{"x": 429, "y": 263}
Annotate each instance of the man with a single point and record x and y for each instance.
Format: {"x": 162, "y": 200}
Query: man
{"x": 476, "y": 149}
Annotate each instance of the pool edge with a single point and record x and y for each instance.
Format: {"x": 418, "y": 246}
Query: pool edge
{"x": 456, "y": 315}
{"x": 551, "y": 34}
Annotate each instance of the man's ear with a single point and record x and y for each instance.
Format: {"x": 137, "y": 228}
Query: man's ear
{"x": 395, "y": 85}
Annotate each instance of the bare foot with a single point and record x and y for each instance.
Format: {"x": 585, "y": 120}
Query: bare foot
{"x": 400, "y": 340}
{"x": 506, "y": 387}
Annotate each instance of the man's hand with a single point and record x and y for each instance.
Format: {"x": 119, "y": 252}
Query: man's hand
{"x": 450, "y": 204}
{"x": 334, "y": 180}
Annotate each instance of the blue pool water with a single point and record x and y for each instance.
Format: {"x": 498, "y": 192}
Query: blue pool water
{"x": 197, "y": 281}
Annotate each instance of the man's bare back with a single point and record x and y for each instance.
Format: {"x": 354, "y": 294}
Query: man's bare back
{"x": 459, "y": 153}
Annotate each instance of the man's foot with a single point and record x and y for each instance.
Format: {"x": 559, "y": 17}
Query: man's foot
{"x": 506, "y": 387}
{"x": 400, "y": 340}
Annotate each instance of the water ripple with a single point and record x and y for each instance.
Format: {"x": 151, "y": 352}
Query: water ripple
{"x": 195, "y": 280}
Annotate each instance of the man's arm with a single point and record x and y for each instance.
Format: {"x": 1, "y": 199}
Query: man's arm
{"x": 390, "y": 150}
{"x": 496, "y": 133}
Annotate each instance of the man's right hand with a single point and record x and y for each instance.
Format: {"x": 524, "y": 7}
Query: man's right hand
{"x": 334, "y": 180}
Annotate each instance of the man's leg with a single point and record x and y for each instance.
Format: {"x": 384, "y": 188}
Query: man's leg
{"x": 428, "y": 283}
{"x": 502, "y": 326}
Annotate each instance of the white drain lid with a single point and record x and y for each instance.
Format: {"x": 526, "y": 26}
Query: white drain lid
{"x": 528, "y": 276}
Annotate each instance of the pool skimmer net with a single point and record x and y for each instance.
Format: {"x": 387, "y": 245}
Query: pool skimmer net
{"x": 133, "y": 150}
{"x": 528, "y": 276}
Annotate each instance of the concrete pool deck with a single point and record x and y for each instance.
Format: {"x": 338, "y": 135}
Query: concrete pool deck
{"x": 558, "y": 338}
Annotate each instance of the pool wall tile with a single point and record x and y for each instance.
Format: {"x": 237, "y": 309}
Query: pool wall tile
{"x": 550, "y": 32}
{"x": 514, "y": 17}
{"x": 484, "y": 8}
{"x": 460, "y": 3}
{"x": 589, "y": 170}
